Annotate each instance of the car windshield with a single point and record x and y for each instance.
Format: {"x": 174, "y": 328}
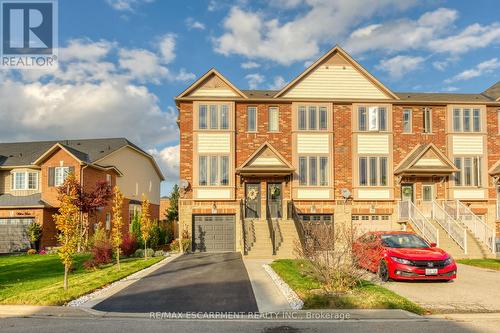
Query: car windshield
{"x": 403, "y": 241}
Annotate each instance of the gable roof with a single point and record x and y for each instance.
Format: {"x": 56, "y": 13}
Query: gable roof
{"x": 495, "y": 169}
{"x": 425, "y": 159}
{"x": 265, "y": 160}
{"x": 493, "y": 92}
{"x": 204, "y": 78}
{"x": 337, "y": 49}
{"x": 86, "y": 150}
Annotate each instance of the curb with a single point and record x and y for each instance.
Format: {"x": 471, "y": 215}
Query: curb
{"x": 293, "y": 299}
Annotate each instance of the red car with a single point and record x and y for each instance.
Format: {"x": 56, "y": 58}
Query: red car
{"x": 403, "y": 256}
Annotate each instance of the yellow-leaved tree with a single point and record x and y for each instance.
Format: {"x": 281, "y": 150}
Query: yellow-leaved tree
{"x": 117, "y": 223}
{"x": 146, "y": 224}
{"x": 67, "y": 221}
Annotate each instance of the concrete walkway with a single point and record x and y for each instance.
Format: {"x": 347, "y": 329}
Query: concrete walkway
{"x": 474, "y": 290}
{"x": 269, "y": 298}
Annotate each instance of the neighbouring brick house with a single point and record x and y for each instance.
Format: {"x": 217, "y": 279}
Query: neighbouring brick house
{"x": 30, "y": 173}
{"x": 336, "y": 145}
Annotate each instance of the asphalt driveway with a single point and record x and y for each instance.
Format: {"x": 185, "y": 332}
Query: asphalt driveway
{"x": 215, "y": 282}
{"x": 474, "y": 290}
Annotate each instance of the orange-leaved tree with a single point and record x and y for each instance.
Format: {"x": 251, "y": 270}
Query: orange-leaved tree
{"x": 146, "y": 224}
{"x": 117, "y": 223}
{"x": 67, "y": 222}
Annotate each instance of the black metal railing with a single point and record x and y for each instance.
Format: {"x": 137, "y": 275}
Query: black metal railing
{"x": 270, "y": 225}
{"x": 294, "y": 216}
{"x": 244, "y": 227}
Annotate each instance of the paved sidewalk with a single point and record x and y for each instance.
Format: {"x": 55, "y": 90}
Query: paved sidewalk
{"x": 268, "y": 296}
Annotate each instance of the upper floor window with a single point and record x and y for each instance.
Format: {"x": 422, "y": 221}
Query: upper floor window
{"x": 469, "y": 173}
{"x": 25, "y": 180}
{"x": 213, "y": 116}
{"x": 273, "y": 118}
{"x": 427, "y": 120}
{"x": 407, "y": 121}
{"x": 312, "y": 117}
{"x": 213, "y": 170}
{"x": 108, "y": 179}
{"x": 60, "y": 175}
{"x": 372, "y": 118}
{"x": 252, "y": 119}
{"x": 313, "y": 170}
{"x": 466, "y": 120}
{"x": 372, "y": 171}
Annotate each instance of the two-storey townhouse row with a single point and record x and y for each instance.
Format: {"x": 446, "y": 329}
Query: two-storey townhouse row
{"x": 336, "y": 145}
{"x": 31, "y": 172}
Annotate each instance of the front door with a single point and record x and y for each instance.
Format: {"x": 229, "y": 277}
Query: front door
{"x": 274, "y": 200}
{"x": 407, "y": 192}
{"x": 252, "y": 195}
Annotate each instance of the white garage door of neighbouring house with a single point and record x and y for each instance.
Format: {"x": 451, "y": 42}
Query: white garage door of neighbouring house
{"x": 14, "y": 234}
{"x": 214, "y": 233}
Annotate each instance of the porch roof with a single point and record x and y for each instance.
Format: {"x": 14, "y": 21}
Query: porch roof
{"x": 265, "y": 161}
{"x": 427, "y": 160}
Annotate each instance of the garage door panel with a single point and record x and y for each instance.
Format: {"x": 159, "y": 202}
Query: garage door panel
{"x": 14, "y": 234}
{"x": 214, "y": 233}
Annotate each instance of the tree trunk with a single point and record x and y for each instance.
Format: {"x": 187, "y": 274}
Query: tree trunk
{"x": 118, "y": 258}
{"x": 145, "y": 250}
{"x": 66, "y": 269}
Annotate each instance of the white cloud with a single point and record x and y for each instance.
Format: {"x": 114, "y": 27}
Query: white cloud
{"x": 254, "y": 80}
{"x": 191, "y": 24}
{"x": 250, "y": 65}
{"x": 126, "y": 5}
{"x": 278, "y": 83}
{"x": 472, "y": 37}
{"x": 142, "y": 65}
{"x": 166, "y": 46}
{"x": 485, "y": 67}
{"x": 168, "y": 160}
{"x": 399, "y": 65}
{"x": 450, "y": 89}
{"x": 255, "y": 35}
{"x": 440, "y": 65}
{"x": 89, "y": 97}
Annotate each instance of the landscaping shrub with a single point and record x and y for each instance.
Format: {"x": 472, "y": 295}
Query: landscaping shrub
{"x": 186, "y": 245}
{"x": 42, "y": 252}
{"x": 139, "y": 253}
{"x": 31, "y": 251}
{"x": 159, "y": 253}
{"x": 150, "y": 252}
{"x": 155, "y": 238}
{"x": 34, "y": 234}
{"x": 129, "y": 245}
{"x": 136, "y": 230}
{"x": 102, "y": 251}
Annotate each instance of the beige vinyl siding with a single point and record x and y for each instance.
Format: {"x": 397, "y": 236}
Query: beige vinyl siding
{"x": 210, "y": 193}
{"x": 303, "y": 193}
{"x": 335, "y": 81}
{"x": 213, "y": 143}
{"x": 467, "y": 145}
{"x": 214, "y": 92}
{"x": 472, "y": 194}
{"x": 429, "y": 162}
{"x": 373, "y": 194}
{"x": 312, "y": 143}
{"x": 266, "y": 161}
{"x": 373, "y": 144}
{"x": 139, "y": 174}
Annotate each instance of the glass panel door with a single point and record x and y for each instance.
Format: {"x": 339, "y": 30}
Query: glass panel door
{"x": 252, "y": 200}
{"x": 274, "y": 200}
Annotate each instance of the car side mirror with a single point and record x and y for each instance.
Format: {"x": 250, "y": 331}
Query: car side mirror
{"x": 433, "y": 244}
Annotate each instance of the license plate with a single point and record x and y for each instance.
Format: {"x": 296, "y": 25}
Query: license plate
{"x": 431, "y": 271}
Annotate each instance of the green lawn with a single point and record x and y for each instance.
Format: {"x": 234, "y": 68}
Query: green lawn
{"x": 365, "y": 296}
{"x": 483, "y": 263}
{"x": 38, "y": 279}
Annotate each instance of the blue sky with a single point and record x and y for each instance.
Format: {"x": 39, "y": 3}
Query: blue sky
{"x": 123, "y": 61}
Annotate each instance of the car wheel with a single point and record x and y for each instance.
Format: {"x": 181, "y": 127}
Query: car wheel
{"x": 383, "y": 271}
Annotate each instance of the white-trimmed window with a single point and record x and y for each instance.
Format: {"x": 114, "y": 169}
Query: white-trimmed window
{"x": 470, "y": 171}
{"x": 273, "y": 118}
{"x": 312, "y": 118}
{"x": 108, "y": 179}
{"x": 373, "y": 171}
{"x": 252, "y": 119}
{"x": 466, "y": 120}
{"x": 372, "y": 118}
{"x": 213, "y": 116}
{"x": 313, "y": 170}
{"x": 108, "y": 221}
{"x": 407, "y": 120}
{"x": 213, "y": 170}
{"x": 427, "y": 120}
{"x": 24, "y": 180}
{"x": 60, "y": 175}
